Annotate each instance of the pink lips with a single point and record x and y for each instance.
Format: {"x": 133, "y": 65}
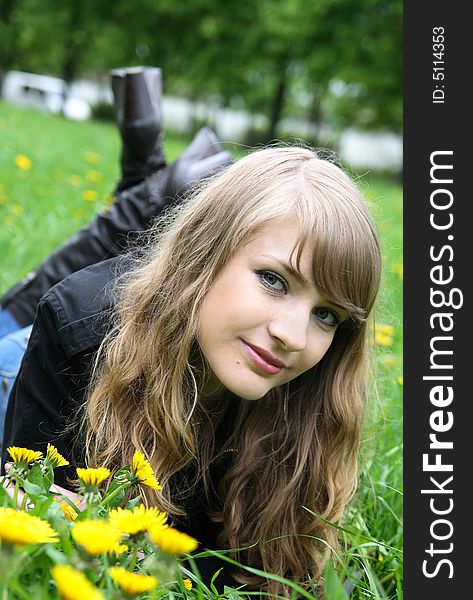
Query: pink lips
{"x": 264, "y": 360}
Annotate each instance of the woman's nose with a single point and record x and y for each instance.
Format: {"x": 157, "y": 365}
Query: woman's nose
{"x": 290, "y": 328}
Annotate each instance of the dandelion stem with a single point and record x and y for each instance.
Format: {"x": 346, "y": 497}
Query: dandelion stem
{"x": 15, "y": 494}
{"x": 88, "y": 510}
{"x": 66, "y": 545}
{"x": 23, "y": 502}
{"x": 133, "y": 558}
{"x": 113, "y": 494}
{"x": 107, "y": 580}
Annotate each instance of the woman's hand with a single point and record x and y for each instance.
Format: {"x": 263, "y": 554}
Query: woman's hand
{"x": 55, "y": 489}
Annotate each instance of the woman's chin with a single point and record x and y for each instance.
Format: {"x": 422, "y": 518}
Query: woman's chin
{"x": 248, "y": 390}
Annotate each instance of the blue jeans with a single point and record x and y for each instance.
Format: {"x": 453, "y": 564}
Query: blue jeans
{"x": 8, "y": 323}
{"x": 12, "y": 348}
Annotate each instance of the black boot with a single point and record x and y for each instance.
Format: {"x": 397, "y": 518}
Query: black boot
{"x": 111, "y": 232}
{"x": 137, "y": 96}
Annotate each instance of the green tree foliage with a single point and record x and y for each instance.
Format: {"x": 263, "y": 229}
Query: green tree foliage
{"x": 371, "y": 68}
{"x": 335, "y": 62}
{"x": 8, "y": 34}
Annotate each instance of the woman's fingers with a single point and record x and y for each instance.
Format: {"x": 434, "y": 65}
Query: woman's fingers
{"x": 76, "y": 498}
{"x": 57, "y": 490}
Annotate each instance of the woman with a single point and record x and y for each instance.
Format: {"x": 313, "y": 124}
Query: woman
{"x": 231, "y": 352}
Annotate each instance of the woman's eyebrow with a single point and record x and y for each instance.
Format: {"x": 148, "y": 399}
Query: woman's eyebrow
{"x": 304, "y": 282}
{"x": 291, "y": 270}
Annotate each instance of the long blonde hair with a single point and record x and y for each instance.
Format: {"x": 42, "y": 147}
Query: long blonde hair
{"x": 145, "y": 391}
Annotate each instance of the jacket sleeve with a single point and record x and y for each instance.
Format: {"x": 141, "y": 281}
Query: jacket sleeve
{"x": 108, "y": 235}
{"x": 46, "y": 395}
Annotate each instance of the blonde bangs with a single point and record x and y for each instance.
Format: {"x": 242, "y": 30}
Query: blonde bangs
{"x": 344, "y": 268}
{"x": 331, "y": 211}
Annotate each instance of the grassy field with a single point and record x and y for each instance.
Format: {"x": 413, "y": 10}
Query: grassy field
{"x": 55, "y": 174}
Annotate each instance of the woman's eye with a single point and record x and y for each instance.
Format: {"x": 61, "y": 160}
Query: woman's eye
{"x": 273, "y": 281}
{"x": 327, "y": 316}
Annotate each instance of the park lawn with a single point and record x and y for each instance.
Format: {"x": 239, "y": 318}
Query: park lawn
{"x": 73, "y": 170}
{"x": 56, "y": 174}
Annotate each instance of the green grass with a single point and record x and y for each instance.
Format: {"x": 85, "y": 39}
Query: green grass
{"x": 42, "y": 206}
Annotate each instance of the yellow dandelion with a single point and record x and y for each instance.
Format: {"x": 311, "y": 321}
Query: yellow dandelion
{"x": 79, "y": 215}
{"x": 19, "y": 528}
{"x": 75, "y": 180}
{"x": 384, "y": 329}
{"x": 90, "y": 196}
{"x": 118, "y": 549}
{"x": 187, "y": 584}
{"x": 69, "y": 512}
{"x": 399, "y": 270}
{"x": 74, "y": 585}
{"x": 383, "y": 340}
{"x": 138, "y": 520}
{"x": 143, "y": 471}
{"x": 96, "y": 536}
{"x": 92, "y": 158}
{"x": 93, "y": 477}
{"x": 23, "y": 456}
{"x": 400, "y": 380}
{"x": 172, "y": 541}
{"x": 93, "y": 176}
{"x": 109, "y": 199}
{"x": 16, "y": 209}
{"x": 55, "y": 458}
{"x": 132, "y": 583}
{"x": 383, "y": 334}
{"x": 390, "y": 361}
{"x": 23, "y": 162}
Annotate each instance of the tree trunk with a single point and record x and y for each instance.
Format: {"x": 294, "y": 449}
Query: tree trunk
{"x": 73, "y": 47}
{"x": 8, "y": 43}
{"x": 277, "y": 104}
{"x": 315, "y": 116}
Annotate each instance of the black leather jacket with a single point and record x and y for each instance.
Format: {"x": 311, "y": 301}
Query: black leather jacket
{"x": 107, "y": 235}
{"x": 71, "y": 322}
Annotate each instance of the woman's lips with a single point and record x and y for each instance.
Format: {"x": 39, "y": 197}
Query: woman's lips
{"x": 263, "y": 359}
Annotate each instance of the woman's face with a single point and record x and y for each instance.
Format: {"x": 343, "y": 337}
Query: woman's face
{"x": 261, "y": 325}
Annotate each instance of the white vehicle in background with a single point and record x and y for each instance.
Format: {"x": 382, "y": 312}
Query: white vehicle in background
{"x": 44, "y": 92}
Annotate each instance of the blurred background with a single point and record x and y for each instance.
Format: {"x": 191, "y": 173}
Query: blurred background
{"x": 327, "y": 71}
